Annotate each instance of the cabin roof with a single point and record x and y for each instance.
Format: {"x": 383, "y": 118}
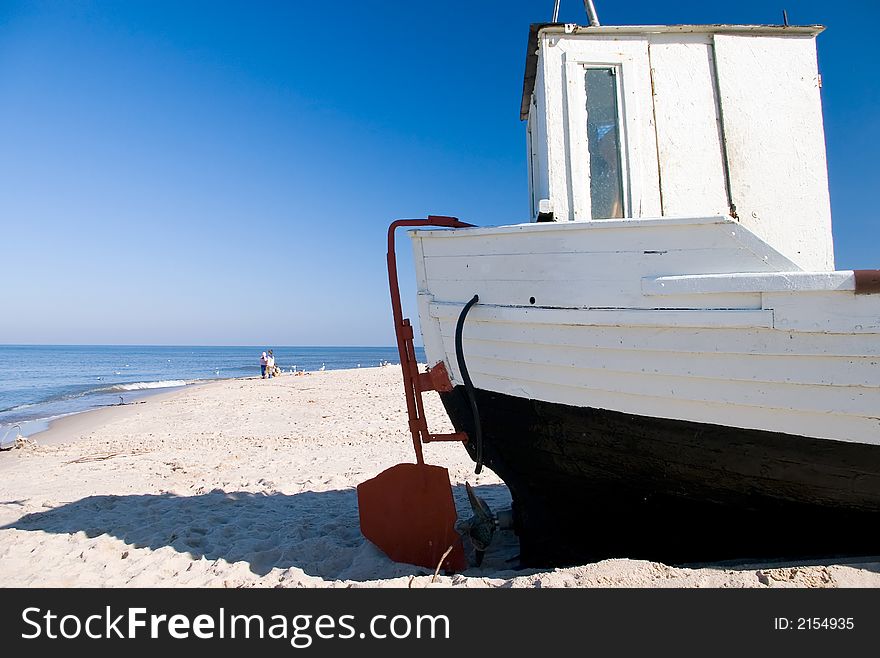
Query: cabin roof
{"x": 622, "y": 30}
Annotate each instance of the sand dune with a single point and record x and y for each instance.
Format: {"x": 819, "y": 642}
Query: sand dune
{"x": 250, "y": 483}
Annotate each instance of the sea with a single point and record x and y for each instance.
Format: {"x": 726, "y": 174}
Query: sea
{"x": 39, "y": 383}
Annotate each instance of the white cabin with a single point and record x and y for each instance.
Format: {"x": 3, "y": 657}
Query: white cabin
{"x": 681, "y": 121}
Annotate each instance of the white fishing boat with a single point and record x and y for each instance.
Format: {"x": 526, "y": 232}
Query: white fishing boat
{"x": 664, "y": 362}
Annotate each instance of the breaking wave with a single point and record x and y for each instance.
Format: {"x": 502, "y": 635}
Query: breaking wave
{"x": 141, "y": 386}
{"x": 18, "y": 407}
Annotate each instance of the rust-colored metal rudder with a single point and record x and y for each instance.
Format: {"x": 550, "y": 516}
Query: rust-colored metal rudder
{"x": 408, "y": 510}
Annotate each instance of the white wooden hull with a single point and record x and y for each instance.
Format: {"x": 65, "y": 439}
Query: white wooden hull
{"x": 799, "y": 358}
{"x": 634, "y": 375}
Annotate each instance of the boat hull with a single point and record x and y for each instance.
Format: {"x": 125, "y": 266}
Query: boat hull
{"x": 668, "y": 388}
{"x": 589, "y": 484}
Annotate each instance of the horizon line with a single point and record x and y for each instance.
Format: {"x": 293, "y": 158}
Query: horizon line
{"x": 184, "y": 345}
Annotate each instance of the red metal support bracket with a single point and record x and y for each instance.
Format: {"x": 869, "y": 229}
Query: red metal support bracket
{"x": 436, "y": 379}
{"x": 867, "y": 282}
{"x": 414, "y": 382}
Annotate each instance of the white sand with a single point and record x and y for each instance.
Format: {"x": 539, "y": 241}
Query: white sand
{"x": 250, "y": 483}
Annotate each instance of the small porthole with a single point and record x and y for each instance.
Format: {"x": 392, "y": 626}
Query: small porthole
{"x": 531, "y": 300}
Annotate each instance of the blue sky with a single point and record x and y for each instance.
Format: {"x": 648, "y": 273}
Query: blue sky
{"x": 224, "y": 173}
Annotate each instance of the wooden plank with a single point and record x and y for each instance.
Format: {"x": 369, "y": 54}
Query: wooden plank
{"x": 563, "y": 226}
{"x": 557, "y": 143}
{"x": 419, "y": 263}
{"x": 688, "y": 130}
{"x": 843, "y": 400}
{"x": 648, "y": 237}
{"x": 790, "y": 369}
{"x": 561, "y": 242}
{"x": 609, "y": 317}
{"x": 778, "y": 184}
{"x": 588, "y": 293}
{"x": 581, "y": 280}
{"x": 539, "y": 134}
{"x": 830, "y": 312}
{"x": 559, "y": 237}
{"x": 619, "y": 268}
{"x": 749, "y": 282}
{"x": 819, "y": 425}
{"x": 525, "y": 325}
{"x": 431, "y": 331}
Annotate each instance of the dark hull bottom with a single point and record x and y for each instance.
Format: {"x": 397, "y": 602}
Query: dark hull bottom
{"x": 589, "y": 484}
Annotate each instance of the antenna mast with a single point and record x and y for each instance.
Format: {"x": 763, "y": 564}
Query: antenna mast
{"x": 588, "y": 6}
{"x": 591, "y": 13}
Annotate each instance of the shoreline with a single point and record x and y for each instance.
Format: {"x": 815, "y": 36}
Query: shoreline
{"x": 245, "y": 482}
{"x": 76, "y": 420}
{"x": 49, "y": 382}
{"x": 88, "y": 420}
{"x": 74, "y": 426}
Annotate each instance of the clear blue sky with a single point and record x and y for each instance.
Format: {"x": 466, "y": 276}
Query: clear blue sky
{"x": 224, "y": 173}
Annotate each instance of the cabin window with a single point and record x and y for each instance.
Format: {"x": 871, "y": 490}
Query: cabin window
{"x": 603, "y": 139}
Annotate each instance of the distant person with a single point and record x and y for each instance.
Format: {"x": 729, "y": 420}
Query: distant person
{"x": 264, "y": 362}
{"x": 270, "y": 364}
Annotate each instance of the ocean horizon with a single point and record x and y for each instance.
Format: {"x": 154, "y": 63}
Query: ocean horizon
{"x": 40, "y": 383}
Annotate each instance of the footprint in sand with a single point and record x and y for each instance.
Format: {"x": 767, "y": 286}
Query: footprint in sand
{"x": 194, "y": 542}
{"x": 264, "y": 561}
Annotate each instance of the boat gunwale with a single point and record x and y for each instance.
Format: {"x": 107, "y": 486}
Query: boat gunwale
{"x": 574, "y": 225}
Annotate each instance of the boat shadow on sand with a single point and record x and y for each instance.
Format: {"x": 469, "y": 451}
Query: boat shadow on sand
{"x": 317, "y": 532}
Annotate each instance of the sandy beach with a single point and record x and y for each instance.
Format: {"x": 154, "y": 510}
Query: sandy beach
{"x": 251, "y": 483}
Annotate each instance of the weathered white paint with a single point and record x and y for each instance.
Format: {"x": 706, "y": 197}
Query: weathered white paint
{"x": 818, "y": 424}
{"x": 580, "y": 264}
{"x": 571, "y": 280}
{"x": 432, "y": 333}
{"x": 623, "y": 30}
{"x": 612, "y": 317}
{"x": 629, "y": 56}
{"x": 688, "y": 128}
{"x": 804, "y": 361}
{"x": 835, "y": 399}
{"x": 564, "y": 62}
{"x": 833, "y": 312}
{"x": 738, "y": 121}
{"x": 539, "y": 178}
{"x": 822, "y": 396}
{"x": 772, "y": 121}
{"x": 531, "y": 161}
{"x": 429, "y": 327}
{"x": 551, "y": 101}
{"x": 704, "y": 318}
{"x": 612, "y": 235}
{"x": 749, "y": 282}
{"x": 525, "y": 326}
{"x": 787, "y": 369}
